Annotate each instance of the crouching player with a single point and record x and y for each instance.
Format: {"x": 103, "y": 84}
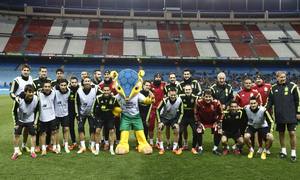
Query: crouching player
{"x": 62, "y": 94}
{"x": 208, "y": 114}
{"x": 25, "y": 111}
{"x": 103, "y": 112}
{"x": 169, "y": 113}
{"x": 231, "y": 126}
{"x": 259, "y": 120}
{"x": 47, "y": 116}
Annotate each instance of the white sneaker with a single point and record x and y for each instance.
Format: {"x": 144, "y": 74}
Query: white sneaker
{"x": 260, "y": 150}
{"x": 268, "y": 152}
{"x": 58, "y": 149}
{"x": 112, "y": 152}
{"x": 96, "y": 152}
{"x": 67, "y": 149}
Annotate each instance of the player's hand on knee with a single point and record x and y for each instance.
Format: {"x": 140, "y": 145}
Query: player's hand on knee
{"x": 160, "y": 126}
{"x": 176, "y": 126}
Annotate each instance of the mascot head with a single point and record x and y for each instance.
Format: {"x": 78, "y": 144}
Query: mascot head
{"x": 128, "y": 82}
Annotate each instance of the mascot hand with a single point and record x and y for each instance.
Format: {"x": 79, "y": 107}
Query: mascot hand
{"x": 148, "y": 100}
{"x": 117, "y": 111}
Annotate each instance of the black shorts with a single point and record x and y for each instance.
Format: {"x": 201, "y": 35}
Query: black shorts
{"x": 29, "y": 126}
{"x": 169, "y": 122}
{"x": 280, "y": 127}
{"x": 232, "y": 135}
{"x": 62, "y": 121}
{"x": 106, "y": 123}
{"x": 262, "y": 131}
{"x": 48, "y": 126}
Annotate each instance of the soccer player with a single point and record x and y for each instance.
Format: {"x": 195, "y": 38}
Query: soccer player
{"x": 188, "y": 79}
{"x": 73, "y": 86}
{"x": 84, "y": 100}
{"x": 169, "y": 113}
{"x": 60, "y": 74}
{"x": 97, "y": 77}
{"x": 145, "y": 109}
{"x": 38, "y": 85}
{"x": 189, "y": 100}
{"x": 83, "y": 75}
{"x": 264, "y": 90}
{"x": 62, "y": 94}
{"x": 208, "y": 114}
{"x": 47, "y": 116}
{"x": 231, "y": 126}
{"x": 171, "y": 84}
{"x": 196, "y": 90}
{"x": 25, "y": 112}
{"x": 104, "y": 117}
{"x": 284, "y": 96}
{"x": 222, "y": 91}
{"x": 259, "y": 120}
{"x": 17, "y": 88}
{"x": 108, "y": 81}
{"x": 157, "y": 88}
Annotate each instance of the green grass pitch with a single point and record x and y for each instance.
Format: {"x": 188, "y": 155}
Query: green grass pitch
{"x": 138, "y": 166}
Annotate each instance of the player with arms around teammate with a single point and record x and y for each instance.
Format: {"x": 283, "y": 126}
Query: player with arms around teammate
{"x": 169, "y": 113}
{"x": 73, "y": 86}
{"x": 62, "y": 94}
{"x": 25, "y": 114}
{"x": 84, "y": 100}
{"x": 104, "y": 117}
{"x": 259, "y": 120}
{"x": 47, "y": 116}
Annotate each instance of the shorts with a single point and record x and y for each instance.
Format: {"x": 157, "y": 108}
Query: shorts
{"x": 106, "y": 123}
{"x": 262, "y": 131}
{"x": 29, "y": 126}
{"x": 81, "y": 122}
{"x": 129, "y": 122}
{"x": 168, "y": 122}
{"x": 280, "y": 127}
{"x": 48, "y": 126}
{"x": 62, "y": 121}
{"x": 232, "y": 135}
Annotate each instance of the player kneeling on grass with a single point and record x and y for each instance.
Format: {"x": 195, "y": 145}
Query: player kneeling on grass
{"x": 103, "y": 112}
{"x": 169, "y": 113}
{"x": 231, "y": 126}
{"x": 62, "y": 94}
{"x": 259, "y": 120}
{"x": 24, "y": 113}
{"x": 47, "y": 116}
{"x": 208, "y": 114}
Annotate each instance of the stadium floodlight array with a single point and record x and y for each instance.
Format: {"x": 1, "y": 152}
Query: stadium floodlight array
{"x": 105, "y": 36}
{"x": 142, "y": 38}
{"x": 212, "y": 38}
{"x": 68, "y": 35}
{"x": 284, "y": 39}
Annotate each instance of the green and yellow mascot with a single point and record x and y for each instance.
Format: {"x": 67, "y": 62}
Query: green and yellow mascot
{"x": 128, "y": 84}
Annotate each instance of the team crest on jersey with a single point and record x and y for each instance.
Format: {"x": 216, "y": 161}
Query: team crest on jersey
{"x": 192, "y": 86}
{"x": 286, "y": 91}
{"x": 251, "y": 94}
{"x": 110, "y": 102}
{"x": 237, "y": 117}
{"x": 226, "y": 92}
{"x": 192, "y": 101}
{"x": 276, "y": 90}
{"x": 265, "y": 89}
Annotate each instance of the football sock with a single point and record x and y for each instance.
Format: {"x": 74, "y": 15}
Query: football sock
{"x": 161, "y": 145}
{"x": 111, "y": 147}
{"x": 44, "y": 147}
{"x": 293, "y": 152}
{"x": 283, "y": 150}
{"x": 82, "y": 144}
{"x": 151, "y": 141}
{"x": 251, "y": 149}
{"x": 17, "y": 149}
{"x": 66, "y": 144}
{"x": 92, "y": 144}
{"x": 54, "y": 147}
{"x": 215, "y": 148}
{"x": 97, "y": 147}
{"x": 185, "y": 142}
{"x": 32, "y": 150}
{"x": 175, "y": 144}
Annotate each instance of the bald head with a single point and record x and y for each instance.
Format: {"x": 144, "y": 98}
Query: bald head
{"x": 221, "y": 77}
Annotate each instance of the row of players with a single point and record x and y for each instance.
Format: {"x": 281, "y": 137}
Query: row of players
{"x": 169, "y": 109}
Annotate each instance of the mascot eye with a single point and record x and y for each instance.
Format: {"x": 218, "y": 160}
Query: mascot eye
{"x": 119, "y": 88}
{"x": 136, "y": 88}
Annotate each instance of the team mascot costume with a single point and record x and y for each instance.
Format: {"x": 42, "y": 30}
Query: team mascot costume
{"x": 128, "y": 84}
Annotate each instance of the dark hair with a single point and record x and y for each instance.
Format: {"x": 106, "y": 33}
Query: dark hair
{"x": 252, "y": 98}
{"x": 96, "y": 70}
{"x": 47, "y": 81}
{"x": 62, "y": 81}
{"x": 207, "y": 92}
{"x": 73, "y": 77}
{"x": 172, "y": 89}
{"x": 172, "y": 73}
{"x": 187, "y": 70}
{"x": 106, "y": 85}
{"x": 233, "y": 102}
{"x": 42, "y": 67}
{"x": 59, "y": 70}
{"x": 247, "y": 78}
{"x": 146, "y": 81}
{"x": 25, "y": 66}
{"x": 29, "y": 87}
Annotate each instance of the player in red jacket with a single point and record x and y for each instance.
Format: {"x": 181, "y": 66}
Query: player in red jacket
{"x": 263, "y": 88}
{"x": 243, "y": 96}
{"x": 157, "y": 88}
{"x": 208, "y": 114}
